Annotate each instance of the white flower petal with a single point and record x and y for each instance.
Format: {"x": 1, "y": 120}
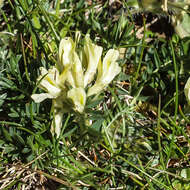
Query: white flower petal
{"x": 110, "y": 67}
{"x": 65, "y": 62}
{"x": 57, "y": 123}
{"x": 106, "y": 72}
{"x": 50, "y": 82}
{"x": 187, "y": 90}
{"x": 95, "y": 89}
{"x": 41, "y": 97}
{"x": 52, "y": 75}
{"x": 78, "y": 97}
{"x": 111, "y": 73}
{"x": 77, "y": 71}
{"x": 110, "y": 57}
{"x": 69, "y": 64}
{"x": 43, "y": 71}
{"x": 70, "y": 79}
{"x": 63, "y": 77}
{"x": 109, "y": 62}
{"x": 93, "y": 54}
{"x": 66, "y": 51}
{"x": 51, "y": 89}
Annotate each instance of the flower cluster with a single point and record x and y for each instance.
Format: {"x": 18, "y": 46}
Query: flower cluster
{"x": 69, "y": 82}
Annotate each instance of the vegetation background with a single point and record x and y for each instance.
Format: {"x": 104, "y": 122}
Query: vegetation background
{"x": 139, "y": 138}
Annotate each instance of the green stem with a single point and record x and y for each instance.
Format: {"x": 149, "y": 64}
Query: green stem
{"x": 24, "y": 57}
{"x": 157, "y": 182}
{"x": 48, "y": 21}
{"x": 159, "y": 139}
{"x": 142, "y": 51}
{"x": 176, "y": 80}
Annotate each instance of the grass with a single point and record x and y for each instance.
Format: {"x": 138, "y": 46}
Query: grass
{"x": 139, "y": 138}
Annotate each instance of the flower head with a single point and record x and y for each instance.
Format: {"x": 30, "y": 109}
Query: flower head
{"x": 66, "y": 83}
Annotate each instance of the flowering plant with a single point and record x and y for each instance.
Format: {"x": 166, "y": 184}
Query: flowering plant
{"x": 69, "y": 82}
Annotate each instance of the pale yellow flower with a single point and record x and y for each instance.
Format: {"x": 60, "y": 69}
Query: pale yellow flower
{"x": 69, "y": 63}
{"x": 50, "y": 83}
{"x": 66, "y": 51}
{"x": 92, "y": 55}
{"x": 77, "y": 71}
{"x": 66, "y": 83}
{"x": 65, "y": 61}
{"x": 106, "y": 72}
{"x": 78, "y": 97}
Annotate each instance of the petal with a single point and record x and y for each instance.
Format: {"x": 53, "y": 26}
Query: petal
{"x": 57, "y": 123}
{"x": 78, "y": 97}
{"x": 77, "y": 71}
{"x": 187, "y": 90}
{"x": 110, "y": 67}
{"x": 66, "y": 50}
{"x": 43, "y": 71}
{"x": 70, "y": 64}
{"x": 92, "y": 54}
{"x": 41, "y": 97}
{"x": 50, "y": 82}
{"x": 63, "y": 77}
{"x": 106, "y": 72}
{"x": 95, "y": 89}
{"x": 66, "y": 75}
{"x": 188, "y": 97}
{"x": 51, "y": 89}
{"x": 104, "y": 81}
{"x": 109, "y": 59}
{"x": 112, "y": 72}
{"x": 70, "y": 79}
{"x": 52, "y": 75}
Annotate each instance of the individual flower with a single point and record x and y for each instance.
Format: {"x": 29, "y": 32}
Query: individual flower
{"x": 78, "y": 97}
{"x": 65, "y": 60}
{"x": 106, "y": 72}
{"x": 91, "y": 55}
{"x": 69, "y": 63}
{"x": 187, "y": 90}
{"x": 48, "y": 82}
{"x": 66, "y": 51}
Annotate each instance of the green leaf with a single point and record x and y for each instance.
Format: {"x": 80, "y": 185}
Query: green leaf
{"x": 6, "y": 134}
{"x": 95, "y": 129}
{"x": 36, "y": 21}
